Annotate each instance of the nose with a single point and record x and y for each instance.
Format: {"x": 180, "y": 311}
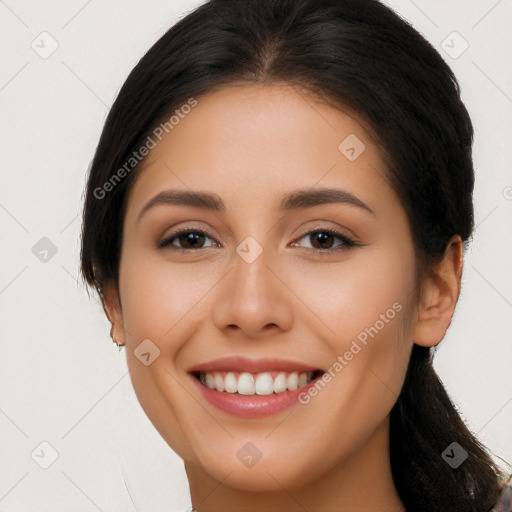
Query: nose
{"x": 253, "y": 298}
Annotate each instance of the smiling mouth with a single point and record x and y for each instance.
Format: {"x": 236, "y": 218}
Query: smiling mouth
{"x": 250, "y": 384}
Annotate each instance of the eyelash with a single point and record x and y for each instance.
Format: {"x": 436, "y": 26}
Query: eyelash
{"x": 347, "y": 242}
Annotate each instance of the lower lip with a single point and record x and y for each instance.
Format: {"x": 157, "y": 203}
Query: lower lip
{"x": 253, "y": 406}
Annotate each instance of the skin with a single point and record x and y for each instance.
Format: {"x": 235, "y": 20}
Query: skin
{"x": 250, "y": 145}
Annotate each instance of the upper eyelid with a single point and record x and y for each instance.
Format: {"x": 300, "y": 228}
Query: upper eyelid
{"x": 310, "y": 231}
{"x": 167, "y": 239}
{"x": 331, "y": 227}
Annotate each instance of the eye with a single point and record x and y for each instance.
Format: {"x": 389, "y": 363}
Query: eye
{"x": 323, "y": 240}
{"x": 193, "y": 239}
{"x": 189, "y": 239}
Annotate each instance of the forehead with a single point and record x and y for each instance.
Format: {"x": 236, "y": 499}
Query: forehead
{"x": 247, "y": 140}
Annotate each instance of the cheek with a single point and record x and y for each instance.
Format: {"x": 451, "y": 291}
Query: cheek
{"x": 364, "y": 302}
{"x": 367, "y": 290}
{"x": 161, "y": 302}
{"x": 161, "y": 298}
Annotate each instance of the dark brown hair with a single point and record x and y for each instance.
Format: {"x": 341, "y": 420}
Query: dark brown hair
{"x": 360, "y": 56}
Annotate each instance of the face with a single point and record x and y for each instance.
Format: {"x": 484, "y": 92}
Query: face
{"x": 290, "y": 286}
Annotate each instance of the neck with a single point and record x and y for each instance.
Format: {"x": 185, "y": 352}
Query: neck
{"x": 362, "y": 481}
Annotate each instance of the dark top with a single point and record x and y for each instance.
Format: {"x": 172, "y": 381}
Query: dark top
{"x": 504, "y": 503}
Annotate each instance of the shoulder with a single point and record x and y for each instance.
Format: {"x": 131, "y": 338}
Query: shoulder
{"x": 504, "y": 503}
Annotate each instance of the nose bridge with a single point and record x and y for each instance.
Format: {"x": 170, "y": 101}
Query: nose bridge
{"x": 252, "y": 297}
{"x": 251, "y": 280}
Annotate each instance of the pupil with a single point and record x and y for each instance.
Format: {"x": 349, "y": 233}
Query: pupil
{"x": 323, "y": 237}
{"x": 192, "y": 237}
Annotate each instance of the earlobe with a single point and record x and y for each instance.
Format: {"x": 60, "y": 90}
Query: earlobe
{"x": 112, "y": 307}
{"x": 440, "y": 294}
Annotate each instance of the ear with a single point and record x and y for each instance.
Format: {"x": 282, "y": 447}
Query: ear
{"x": 439, "y": 298}
{"x": 113, "y": 310}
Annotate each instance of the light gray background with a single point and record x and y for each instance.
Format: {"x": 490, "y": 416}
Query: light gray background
{"x": 61, "y": 379}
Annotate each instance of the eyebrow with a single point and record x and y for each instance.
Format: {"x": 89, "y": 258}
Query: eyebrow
{"x": 302, "y": 198}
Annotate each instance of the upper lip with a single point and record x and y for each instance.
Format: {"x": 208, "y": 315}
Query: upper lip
{"x": 243, "y": 364}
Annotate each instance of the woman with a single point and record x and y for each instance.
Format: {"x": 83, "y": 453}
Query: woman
{"x": 275, "y": 220}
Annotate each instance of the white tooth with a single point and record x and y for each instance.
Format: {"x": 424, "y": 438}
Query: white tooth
{"x": 264, "y": 384}
{"x": 218, "y": 381}
{"x": 292, "y": 382}
{"x": 246, "y": 384}
{"x": 260, "y": 384}
{"x": 280, "y": 383}
{"x": 209, "y": 381}
{"x": 230, "y": 383}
